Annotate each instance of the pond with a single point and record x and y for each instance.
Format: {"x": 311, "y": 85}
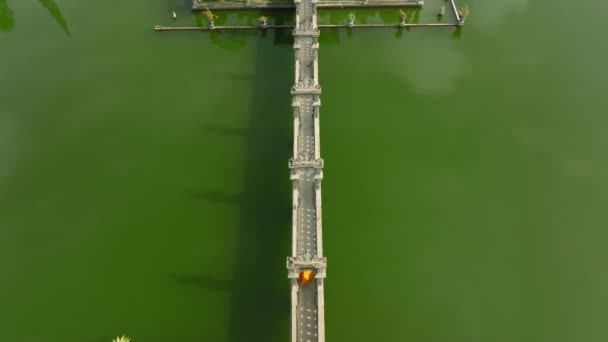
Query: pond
{"x": 144, "y": 187}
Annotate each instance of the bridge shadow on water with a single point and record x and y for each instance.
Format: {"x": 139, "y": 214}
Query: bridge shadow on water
{"x": 259, "y": 289}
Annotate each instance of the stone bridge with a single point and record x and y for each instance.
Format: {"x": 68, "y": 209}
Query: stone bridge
{"x": 307, "y": 303}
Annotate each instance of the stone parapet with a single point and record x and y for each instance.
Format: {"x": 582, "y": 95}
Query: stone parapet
{"x": 305, "y": 90}
{"x": 308, "y": 33}
{"x": 298, "y": 264}
{"x": 296, "y": 164}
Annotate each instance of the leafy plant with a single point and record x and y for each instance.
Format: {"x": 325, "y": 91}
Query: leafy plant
{"x": 441, "y": 10}
{"x": 7, "y": 19}
{"x": 402, "y": 14}
{"x": 210, "y": 16}
{"x": 464, "y": 12}
{"x": 122, "y": 338}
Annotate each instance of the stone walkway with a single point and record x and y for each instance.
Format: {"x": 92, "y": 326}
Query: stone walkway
{"x": 306, "y": 173}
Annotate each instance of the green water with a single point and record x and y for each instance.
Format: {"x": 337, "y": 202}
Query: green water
{"x": 144, "y": 187}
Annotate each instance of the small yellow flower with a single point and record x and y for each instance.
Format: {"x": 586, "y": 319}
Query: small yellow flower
{"x": 122, "y": 338}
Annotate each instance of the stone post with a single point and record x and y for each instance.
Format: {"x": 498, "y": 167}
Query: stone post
{"x": 316, "y": 71}
{"x": 296, "y": 127}
{"x": 317, "y": 132}
{"x": 321, "y": 310}
{"x": 294, "y": 309}
{"x": 318, "y": 217}
{"x": 296, "y": 204}
{"x": 297, "y": 71}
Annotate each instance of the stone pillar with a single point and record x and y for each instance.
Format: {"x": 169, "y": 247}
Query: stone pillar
{"x": 316, "y": 71}
{"x": 314, "y": 21}
{"x": 294, "y": 310}
{"x": 296, "y": 203}
{"x": 297, "y": 21}
{"x": 297, "y": 71}
{"x": 321, "y": 310}
{"x": 317, "y": 131}
{"x": 296, "y": 128}
{"x": 319, "y": 217}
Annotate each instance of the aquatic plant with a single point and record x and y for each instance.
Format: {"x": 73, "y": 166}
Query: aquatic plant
{"x": 457, "y": 33}
{"x": 122, "y": 338}
{"x": 210, "y": 16}
{"x": 402, "y": 15}
{"x": 441, "y": 11}
{"x": 464, "y": 12}
{"x": 264, "y": 20}
{"x": 351, "y": 16}
{"x": 7, "y": 19}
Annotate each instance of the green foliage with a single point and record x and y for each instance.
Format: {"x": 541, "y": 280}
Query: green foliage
{"x": 210, "y": 16}
{"x": 402, "y": 14}
{"x": 442, "y": 10}
{"x": 7, "y": 19}
{"x": 122, "y": 338}
{"x": 464, "y": 12}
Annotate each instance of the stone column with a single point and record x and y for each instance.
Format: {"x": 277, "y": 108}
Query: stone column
{"x": 294, "y": 310}
{"x": 316, "y": 71}
{"x": 317, "y": 130}
{"x": 320, "y": 310}
{"x": 296, "y": 204}
{"x": 297, "y": 71}
{"x": 296, "y": 128}
{"x": 319, "y": 217}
